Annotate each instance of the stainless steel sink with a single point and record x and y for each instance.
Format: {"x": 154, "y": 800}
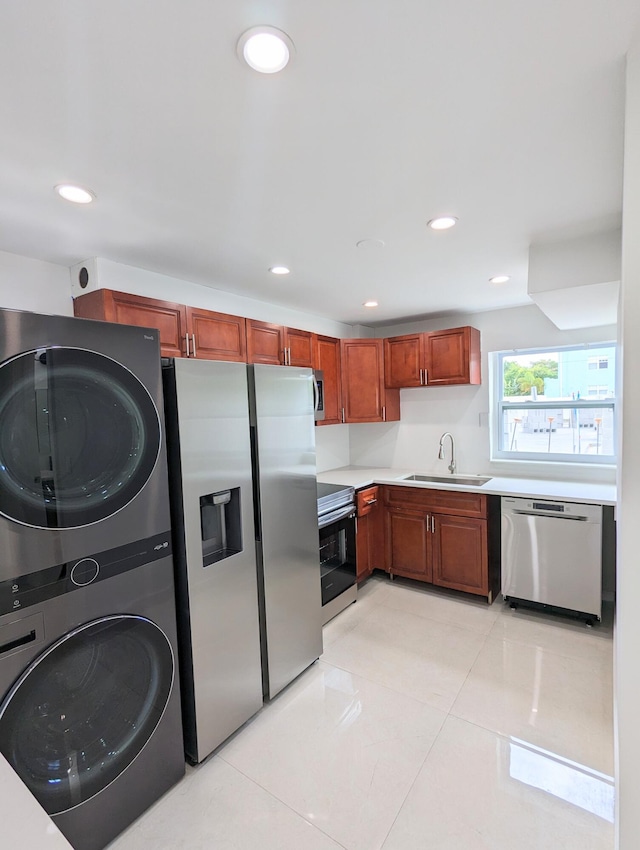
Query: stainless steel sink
{"x": 462, "y": 480}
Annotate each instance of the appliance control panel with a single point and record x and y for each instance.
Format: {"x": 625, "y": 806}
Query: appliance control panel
{"x": 30, "y": 589}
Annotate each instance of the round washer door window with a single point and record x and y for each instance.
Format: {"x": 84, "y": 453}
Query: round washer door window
{"x": 85, "y": 708}
{"x": 79, "y": 437}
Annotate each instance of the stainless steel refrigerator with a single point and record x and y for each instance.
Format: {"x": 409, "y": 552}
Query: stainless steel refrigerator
{"x": 242, "y": 481}
{"x": 281, "y": 402}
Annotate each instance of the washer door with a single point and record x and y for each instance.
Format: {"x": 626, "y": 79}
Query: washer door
{"x": 85, "y": 708}
{"x": 79, "y": 437}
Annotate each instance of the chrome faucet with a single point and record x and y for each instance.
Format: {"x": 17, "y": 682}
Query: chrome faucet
{"x": 452, "y": 465}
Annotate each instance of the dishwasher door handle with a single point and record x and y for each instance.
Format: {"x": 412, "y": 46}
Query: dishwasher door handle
{"x": 548, "y": 516}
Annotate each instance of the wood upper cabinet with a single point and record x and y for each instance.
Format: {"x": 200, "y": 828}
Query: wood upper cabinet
{"x": 216, "y": 336}
{"x": 265, "y": 343}
{"x": 279, "y": 346}
{"x": 438, "y": 358}
{"x": 327, "y": 359}
{"x": 365, "y": 398}
{"x": 184, "y": 331}
{"x": 125, "y": 309}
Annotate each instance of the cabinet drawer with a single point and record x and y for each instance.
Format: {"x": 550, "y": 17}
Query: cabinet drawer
{"x": 437, "y": 501}
{"x": 366, "y": 500}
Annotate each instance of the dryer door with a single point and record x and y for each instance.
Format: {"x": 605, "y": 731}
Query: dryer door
{"x": 79, "y": 437}
{"x": 84, "y": 709}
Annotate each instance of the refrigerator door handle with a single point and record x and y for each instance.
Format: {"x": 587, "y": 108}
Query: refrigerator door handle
{"x": 316, "y": 395}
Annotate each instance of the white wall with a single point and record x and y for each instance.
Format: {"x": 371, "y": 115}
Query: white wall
{"x": 428, "y": 411}
{"x": 627, "y": 635}
{"x": 105, "y": 274}
{"x": 332, "y": 446}
{"x": 33, "y": 285}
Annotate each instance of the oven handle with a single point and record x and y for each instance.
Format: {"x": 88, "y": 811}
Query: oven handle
{"x": 335, "y": 516}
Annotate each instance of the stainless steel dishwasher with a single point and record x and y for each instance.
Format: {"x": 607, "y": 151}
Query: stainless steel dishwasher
{"x": 552, "y": 555}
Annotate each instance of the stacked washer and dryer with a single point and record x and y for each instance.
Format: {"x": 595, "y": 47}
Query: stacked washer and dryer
{"x": 89, "y": 699}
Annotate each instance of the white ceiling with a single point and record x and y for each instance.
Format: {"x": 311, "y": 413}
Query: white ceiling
{"x": 505, "y": 113}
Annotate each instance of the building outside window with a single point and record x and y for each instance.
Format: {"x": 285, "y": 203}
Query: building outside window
{"x": 547, "y": 406}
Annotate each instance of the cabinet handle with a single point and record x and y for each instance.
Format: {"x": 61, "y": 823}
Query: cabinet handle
{"x": 426, "y": 377}
{"x": 193, "y": 337}
{"x": 187, "y": 338}
{"x": 433, "y": 524}
{"x": 371, "y": 502}
{"x": 343, "y": 414}
{"x": 421, "y": 377}
{"x": 384, "y": 413}
{"x": 288, "y": 357}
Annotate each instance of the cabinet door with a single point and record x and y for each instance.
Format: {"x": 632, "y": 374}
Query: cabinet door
{"x": 453, "y": 356}
{"x": 265, "y": 343}
{"x": 460, "y": 553}
{"x": 403, "y": 361}
{"x": 299, "y": 345}
{"x": 217, "y": 336}
{"x": 408, "y": 539}
{"x": 369, "y": 535}
{"x": 364, "y": 396}
{"x": 327, "y": 359}
{"x": 170, "y": 319}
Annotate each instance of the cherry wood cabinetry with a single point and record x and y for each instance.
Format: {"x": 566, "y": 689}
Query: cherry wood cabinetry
{"x": 125, "y": 309}
{"x": 184, "y": 331}
{"x": 277, "y": 345}
{"x": 446, "y": 537}
{"x": 365, "y": 398}
{"x": 216, "y": 336}
{"x": 438, "y": 358}
{"x": 369, "y": 532}
{"x": 327, "y": 359}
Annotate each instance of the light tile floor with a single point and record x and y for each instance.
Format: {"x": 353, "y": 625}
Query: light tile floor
{"x": 431, "y": 721}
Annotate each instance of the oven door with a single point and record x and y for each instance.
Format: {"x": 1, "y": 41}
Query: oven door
{"x": 338, "y": 556}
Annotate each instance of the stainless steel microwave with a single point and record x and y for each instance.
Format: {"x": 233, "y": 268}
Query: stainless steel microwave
{"x": 318, "y": 381}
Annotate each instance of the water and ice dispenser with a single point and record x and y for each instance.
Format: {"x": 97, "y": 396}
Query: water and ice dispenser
{"x": 220, "y": 525}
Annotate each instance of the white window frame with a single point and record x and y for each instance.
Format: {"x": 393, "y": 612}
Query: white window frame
{"x": 498, "y": 405}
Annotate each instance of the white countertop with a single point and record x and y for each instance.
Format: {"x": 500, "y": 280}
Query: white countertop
{"x": 566, "y": 491}
{"x": 24, "y": 822}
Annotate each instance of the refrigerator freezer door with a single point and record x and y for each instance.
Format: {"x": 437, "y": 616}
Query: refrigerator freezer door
{"x": 282, "y": 418}
{"x": 218, "y": 595}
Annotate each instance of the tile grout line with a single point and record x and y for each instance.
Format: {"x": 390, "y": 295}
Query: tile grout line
{"x": 282, "y": 802}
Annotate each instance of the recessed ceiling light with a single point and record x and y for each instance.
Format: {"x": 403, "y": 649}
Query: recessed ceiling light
{"x": 370, "y": 304}
{"x": 370, "y": 243}
{"x": 499, "y": 278}
{"x": 444, "y": 222}
{"x": 75, "y": 194}
{"x": 265, "y": 49}
{"x": 279, "y": 270}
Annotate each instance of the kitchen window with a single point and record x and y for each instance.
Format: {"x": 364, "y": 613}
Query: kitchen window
{"x": 546, "y": 406}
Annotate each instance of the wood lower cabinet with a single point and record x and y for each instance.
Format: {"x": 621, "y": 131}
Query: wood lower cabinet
{"x": 445, "y": 537}
{"x": 365, "y": 398}
{"x": 369, "y": 532}
{"x": 437, "y": 358}
{"x": 184, "y": 331}
{"x": 408, "y": 544}
{"x": 279, "y": 346}
{"x": 459, "y": 553}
